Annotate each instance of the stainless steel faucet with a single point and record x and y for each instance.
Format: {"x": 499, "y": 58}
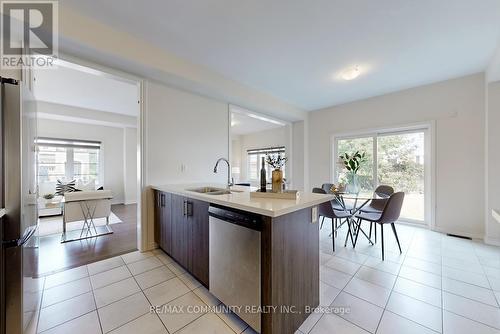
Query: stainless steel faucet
{"x": 230, "y": 180}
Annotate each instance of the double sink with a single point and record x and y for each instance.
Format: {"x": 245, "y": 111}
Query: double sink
{"x": 213, "y": 191}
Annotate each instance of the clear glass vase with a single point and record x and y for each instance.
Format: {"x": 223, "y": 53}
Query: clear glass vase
{"x": 353, "y": 186}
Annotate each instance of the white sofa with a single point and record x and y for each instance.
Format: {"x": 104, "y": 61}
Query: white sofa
{"x": 86, "y": 206}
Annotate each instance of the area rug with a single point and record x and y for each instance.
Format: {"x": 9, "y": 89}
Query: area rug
{"x": 54, "y": 225}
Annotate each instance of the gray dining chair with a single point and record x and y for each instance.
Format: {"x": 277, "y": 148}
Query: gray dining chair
{"x": 389, "y": 215}
{"x": 326, "y": 210}
{"x": 377, "y": 205}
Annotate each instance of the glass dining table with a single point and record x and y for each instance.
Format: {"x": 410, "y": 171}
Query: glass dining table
{"x": 359, "y": 201}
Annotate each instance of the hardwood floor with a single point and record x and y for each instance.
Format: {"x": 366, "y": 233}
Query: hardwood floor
{"x": 54, "y": 256}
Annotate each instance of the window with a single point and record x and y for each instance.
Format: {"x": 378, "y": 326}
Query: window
{"x": 255, "y": 160}
{"x": 395, "y": 158}
{"x": 67, "y": 160}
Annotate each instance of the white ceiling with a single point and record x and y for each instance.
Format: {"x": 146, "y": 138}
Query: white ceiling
{"x": 242, "y": 124}
{"x": 295, "y": 49}
{"x": 82, "y": 87}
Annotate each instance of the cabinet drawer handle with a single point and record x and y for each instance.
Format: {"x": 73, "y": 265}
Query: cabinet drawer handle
{"x": 189, "y": 208}
{"x": 184, "y": 211}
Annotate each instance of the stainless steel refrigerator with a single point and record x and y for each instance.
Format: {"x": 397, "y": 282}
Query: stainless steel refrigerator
{"x": 20, "y": 289}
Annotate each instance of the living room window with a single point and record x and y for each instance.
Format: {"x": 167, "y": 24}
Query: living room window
{"x": 255, "y": 158}
{"x": 67, "y": 160}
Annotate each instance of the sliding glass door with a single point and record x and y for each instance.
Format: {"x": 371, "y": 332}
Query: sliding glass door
{"x": 400, "y": 164}
{"x": 395, "y": 158}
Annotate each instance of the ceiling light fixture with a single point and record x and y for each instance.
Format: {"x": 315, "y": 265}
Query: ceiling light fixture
{"x": 351, "y": 73}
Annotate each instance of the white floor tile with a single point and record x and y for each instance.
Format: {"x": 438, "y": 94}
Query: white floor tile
{"x": 343, "y": 265}
{"x": 109, "y": 277}
{"x": 495, "y": 283}
{"x": 455, "y": 324}
{"x": 86, "y": 324}
{"x": 375, "y": 276}
{"x": 165, "y": 292}
{"x": 421, "y": 277}
{"x": 472, "y": 265}
{"x": 327, "y": 294}
{"x": 370, "y": 292}
{"x": 471, "y": 309}
{"x": 418, "y": 291}
{"x": 429, "y": 257}
{"x": 351, "y": 255}
{"x": 467, "y": 277}
{"x": 66, "y": 276}
{"x": 104, "y": 265}
{"x": 153, "y": 277}
{"x": 59, "y": 313}
{"x": 206, "y": 296}
{"x": 392, "y": 323}
{"x": 123, "y": 311}
{"x": 470, "y": 291}
{"x": 490, "y": 262}
{"x": 181, "y": 311}
{"x": 387, "y": 266}
{"x": 209, "y": 323}
{"x": 164, "y": 258}
{"x": 146, "y": 324}
{"x": 66, "y": 291}
{"x": 324, "y": 258}
{"x": 176, "y": 268}
{"x": 415, "y": 310}
{"x": 362, "y": 313}
{"x": 116, "y": 291}
{"x": 430, "y": 267}
{"x": 136, "y": 256}
{"x": 141, "y": 266}
{"x": 233, "y": 321}
{"x": 333, "y": 277}
{"x": 191, "y": 282}
{"x": 331, "y": 323}
{"x": 310, "y": 322}
{"x": 491, "y": 272}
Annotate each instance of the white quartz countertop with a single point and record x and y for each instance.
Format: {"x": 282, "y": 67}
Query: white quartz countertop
{"x": 240, "y": 199}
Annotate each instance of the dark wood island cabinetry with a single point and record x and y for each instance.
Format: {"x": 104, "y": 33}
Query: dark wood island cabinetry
{"x": 289, "y": 254}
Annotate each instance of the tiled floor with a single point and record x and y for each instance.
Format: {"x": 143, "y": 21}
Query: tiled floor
{"x": 439, "y": 284}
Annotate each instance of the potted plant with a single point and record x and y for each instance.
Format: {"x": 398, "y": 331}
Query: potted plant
{"x": 277, "y": 162}
{"x": 352, "y": 163}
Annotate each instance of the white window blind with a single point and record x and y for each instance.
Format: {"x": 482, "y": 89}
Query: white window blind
{"x": 67, "y": 159}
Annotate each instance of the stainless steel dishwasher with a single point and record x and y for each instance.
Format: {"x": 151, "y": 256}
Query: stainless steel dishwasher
{"x": 234, "y": 243}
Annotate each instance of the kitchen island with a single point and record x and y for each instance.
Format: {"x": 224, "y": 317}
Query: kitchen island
{"x": 286, "y": 246}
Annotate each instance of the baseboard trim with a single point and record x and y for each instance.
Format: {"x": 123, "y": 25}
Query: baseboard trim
{"x": 460, "y": 233}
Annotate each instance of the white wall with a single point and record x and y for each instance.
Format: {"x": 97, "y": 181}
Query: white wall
{"x": 458, "y": 108}
{"x": 184, "y": 129}
{"x": 492, "y": 162}
{"x": 111, "y": 149}
{"x": 493, "y": 70}
{"x": 130, "y": 149}
{"x": 184, "y": 136}
{"x": 298, "y": 156}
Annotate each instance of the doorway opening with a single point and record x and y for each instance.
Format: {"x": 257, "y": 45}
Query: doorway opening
{"x": 88, "y": 165}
